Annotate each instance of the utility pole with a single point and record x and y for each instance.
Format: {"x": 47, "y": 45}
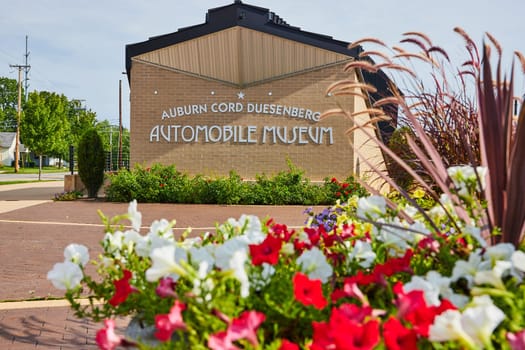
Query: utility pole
{"x": 119, "y": 124}
{"x": 19, "y": 110}
{"x": 27, "y": 67}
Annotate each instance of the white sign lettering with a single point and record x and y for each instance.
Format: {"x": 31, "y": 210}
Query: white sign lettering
{"x": 238, "y": 107}
{"x": 239, "y": 134}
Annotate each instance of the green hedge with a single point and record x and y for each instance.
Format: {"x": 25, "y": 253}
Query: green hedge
{"x": 164, "y": 184}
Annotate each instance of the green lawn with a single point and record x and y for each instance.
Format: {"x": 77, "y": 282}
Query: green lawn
{"x": 52, "y": 169}
{"x": 20, "y": 182}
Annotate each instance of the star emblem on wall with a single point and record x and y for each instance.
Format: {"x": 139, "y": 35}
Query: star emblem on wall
{"x": 240, "y": 95}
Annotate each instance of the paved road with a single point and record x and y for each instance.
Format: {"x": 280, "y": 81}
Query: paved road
{"x": 33, "y": 235}
{"x": 4, "y": 176}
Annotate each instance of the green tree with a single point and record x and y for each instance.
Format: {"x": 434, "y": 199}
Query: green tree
{"x": 44, "y": 126}
{"x": 91, "y": 160}
{"x": 110, "y": 139}
{"x": 8, "y": 104}
{"x": 80, "y": 119}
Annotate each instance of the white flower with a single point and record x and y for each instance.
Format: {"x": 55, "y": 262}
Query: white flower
{"x": 493, "y": 277}
{"x": 162, "y": 228}
{"x": 288, "y": 248}
{"x": 77, "y": 253}
{"x": 164, "y": 263}
{"x": 190, "y": 242}
{"x": 131, "y": 236}
{"x": 253, "y": 231}
{"x": 313, "y": 263}
{"x": 467, "y": 269}
{"x": 371, "y": 207}
{"x": 395, "y": 237}
{"x": 501, "y": 251}
{"x": 480, "y": 320}
{"x": 113, "y": 242}
{"x": 447, "y": 327}
{"x": 135, "y": 216}
{"x": 362, "y": 252}
{"x": 200, "y": 255}
{"x": 237, "y": 264}
{"x": 66, "y": 275}
{"x": 518, "y": 259}
{"x": 462, "y": 174}
{"x": 248, "y": 226}
{"x": 224, "y": 253}
{"x": 475, "y": 232}
{"x": 202, "y": 285}
{"x": 430, "y": 291}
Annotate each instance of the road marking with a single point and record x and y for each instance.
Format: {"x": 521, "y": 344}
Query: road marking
{"x": 58, "y": 223}
{"x": 31, "y": 304}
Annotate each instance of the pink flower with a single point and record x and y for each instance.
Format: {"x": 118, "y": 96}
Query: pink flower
{"x": 166, "y": 324}
{"x": 245, "y": 326}
{"x": 122, "y": 289}
{"x": 221, "y": 341}
{"x": 106, "y": 338}
{"x": 166, "y": 287}
{"x": 517, "y": 340}
{"x": 308, "y": 292}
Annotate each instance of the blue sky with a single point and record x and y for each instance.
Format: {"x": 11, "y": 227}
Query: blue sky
{"x": 77, "y": 47}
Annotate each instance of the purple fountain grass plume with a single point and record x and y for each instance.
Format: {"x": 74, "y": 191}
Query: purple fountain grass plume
{"x": 451, "y": 128}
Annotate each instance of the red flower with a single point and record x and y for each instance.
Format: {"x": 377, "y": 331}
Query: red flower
{"x": 122, "y": 289}
{"x": 279, "y": 230}
{"x": 356, "y": 336}
{"x": 334, "y": 180}
{"x": 322, "y": 338}
{"x": 398, "y": 337}
{"x": 413, "y": 308}
{"x": 245, "y": 326}
{"x": 344, "y": 185}
{"x": 350, "y": 312}
{"x": 308, "y": 292}
{"x": 166, "y": 324}
{"x": 288, "y": 345}
{"x": 266, "y": 252}
{"x": 346, "y": 334}
{"x": 106, "y": 338}
{"x": 314, "y": 234}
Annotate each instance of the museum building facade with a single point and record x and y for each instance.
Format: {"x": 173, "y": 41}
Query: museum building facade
{"x": 245, "y": 91}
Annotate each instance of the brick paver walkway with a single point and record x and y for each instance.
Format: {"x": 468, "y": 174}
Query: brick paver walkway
{"x": 32, "y": 239}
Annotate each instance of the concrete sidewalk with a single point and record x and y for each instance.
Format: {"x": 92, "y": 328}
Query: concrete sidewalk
{"x": 33, "y": 236}
{"x": 17, "y": 196}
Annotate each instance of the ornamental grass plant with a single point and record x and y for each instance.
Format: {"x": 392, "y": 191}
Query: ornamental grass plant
{"x": 366, "y": 273}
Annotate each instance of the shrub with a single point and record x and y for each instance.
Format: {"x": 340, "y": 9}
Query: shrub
{"x": 164, "y": 184}
{"x": 91, "y": 159}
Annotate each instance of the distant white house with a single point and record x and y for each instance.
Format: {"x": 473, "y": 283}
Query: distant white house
{"x": 7, "y": 148}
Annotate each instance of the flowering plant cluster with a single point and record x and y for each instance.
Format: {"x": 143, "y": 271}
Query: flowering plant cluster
{"x": 368, "y": 279}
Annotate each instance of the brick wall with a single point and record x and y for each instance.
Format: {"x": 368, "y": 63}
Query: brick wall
{"x": 155, "y": 90}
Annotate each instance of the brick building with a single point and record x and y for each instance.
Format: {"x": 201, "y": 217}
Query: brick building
{"x": 244, "y": 91}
